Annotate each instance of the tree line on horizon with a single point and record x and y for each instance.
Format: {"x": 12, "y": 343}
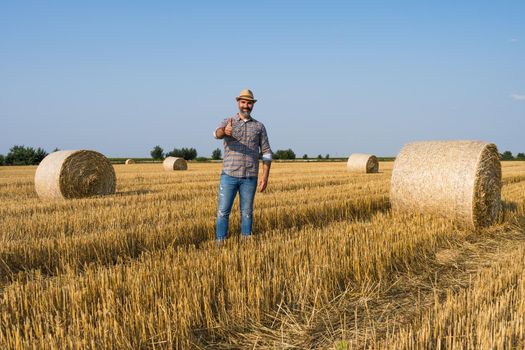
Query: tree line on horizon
{"x": 22, "y": 155}
{"x": 157, "y": 153}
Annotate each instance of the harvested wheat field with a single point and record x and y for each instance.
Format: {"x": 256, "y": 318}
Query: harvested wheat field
{"x": 330, "y": 267}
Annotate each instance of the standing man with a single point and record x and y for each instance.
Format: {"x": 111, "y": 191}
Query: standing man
{"x": 244, "y": 137}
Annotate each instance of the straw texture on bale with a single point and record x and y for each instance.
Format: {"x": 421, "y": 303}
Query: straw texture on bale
{"x": 362, "y": 163}
{"x": 74, "y": 174}
{"x": 130, "y": 161}
{"x": 175, "y": 163}
{"x": 459, "y": 180}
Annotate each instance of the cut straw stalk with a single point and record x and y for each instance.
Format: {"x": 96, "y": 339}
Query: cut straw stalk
{"x": 459, "y": 180}
{"x": 74, "y": 174}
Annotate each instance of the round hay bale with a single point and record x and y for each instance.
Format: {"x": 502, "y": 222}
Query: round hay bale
{"x": 459, "y": 180}
{"x": 362, "y": 163}
{"x": 130, "y": 161}
{"x": 175, "y": 163}
{"x": 74, "y": 174}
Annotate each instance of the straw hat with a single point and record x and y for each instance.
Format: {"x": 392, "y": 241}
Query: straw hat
{"x": 246, "y": 95}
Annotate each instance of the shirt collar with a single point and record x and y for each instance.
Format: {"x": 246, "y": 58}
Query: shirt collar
{"x": 246, "y": 121}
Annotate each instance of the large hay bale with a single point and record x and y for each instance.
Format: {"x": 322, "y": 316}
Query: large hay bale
{"x": 74, "y": 174}
{"x": 175, "y": 163}
{"x": 362, "y": 163}
{"x": 459, "y": 180}
{"x": 130, "y": 161}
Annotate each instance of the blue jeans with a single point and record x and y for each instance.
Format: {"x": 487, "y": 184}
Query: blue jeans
{"x": 228, "y": 188}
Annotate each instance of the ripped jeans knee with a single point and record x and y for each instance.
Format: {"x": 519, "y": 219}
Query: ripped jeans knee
{"x": 246, "y": 213}
{"x": 222, "y": 213}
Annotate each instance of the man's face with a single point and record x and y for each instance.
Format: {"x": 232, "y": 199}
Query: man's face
{"x": 245, "y": 107}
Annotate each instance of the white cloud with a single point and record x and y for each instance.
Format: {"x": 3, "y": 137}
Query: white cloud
{"x": 518, "y": 97}
{"x": 514, "y": 40}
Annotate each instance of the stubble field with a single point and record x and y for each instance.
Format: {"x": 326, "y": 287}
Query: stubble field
{"x": 329, "y": 267}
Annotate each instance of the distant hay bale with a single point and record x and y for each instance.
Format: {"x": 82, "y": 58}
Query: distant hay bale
{"x": 74, "y": 174}
{"x": 130, "y": 161}
{"x": 175, "y": 163}
{"x": 362, "y": 163}
{"x": 459, "y": 180}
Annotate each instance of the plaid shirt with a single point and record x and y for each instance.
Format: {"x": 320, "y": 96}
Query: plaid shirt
{"x": 241, "y": 150}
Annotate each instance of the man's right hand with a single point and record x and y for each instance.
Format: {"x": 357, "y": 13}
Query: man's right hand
{"x": 228, "y": 129}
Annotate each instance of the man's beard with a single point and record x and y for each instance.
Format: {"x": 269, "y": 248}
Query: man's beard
{"x": 245, "y": 112}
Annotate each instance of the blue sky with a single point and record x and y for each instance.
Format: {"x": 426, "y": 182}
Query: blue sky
{"x": 331, "y": 77}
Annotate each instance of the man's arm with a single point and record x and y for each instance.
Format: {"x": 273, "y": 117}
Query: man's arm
{"x": 267, "y": 160}
{"x": 225, "y": 130}
{"x": 263, "y": 181}
{"x": 219, "y": 133}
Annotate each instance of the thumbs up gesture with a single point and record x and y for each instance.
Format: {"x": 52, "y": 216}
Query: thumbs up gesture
{"x": 228, "y": 129}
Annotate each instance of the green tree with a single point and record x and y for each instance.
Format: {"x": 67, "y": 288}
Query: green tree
{"x": 327, "y": 156}
{"x": 216, "y": 154}
{"x": 507, "y": 155}
{"x": 39, "y": 155}
{"x": 186, "y": 153}
{"x": 319, "y": 156}
{"x": 2, "y": 159}
{"x": 284, "y": 154}
{"x": 305, "y": 156}
{"x": 17, "y": 155}
{"x": 520, "y": 156}
{"x": 175, "y": 153}
{"x": 157, "y": 153}
{"x": 21, "y": 155}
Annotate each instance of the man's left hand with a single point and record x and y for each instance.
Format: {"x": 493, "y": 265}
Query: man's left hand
{"x": 262, "y": 184}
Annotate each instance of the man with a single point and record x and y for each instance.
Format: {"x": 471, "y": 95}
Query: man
{"x": 244, "y": 138}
